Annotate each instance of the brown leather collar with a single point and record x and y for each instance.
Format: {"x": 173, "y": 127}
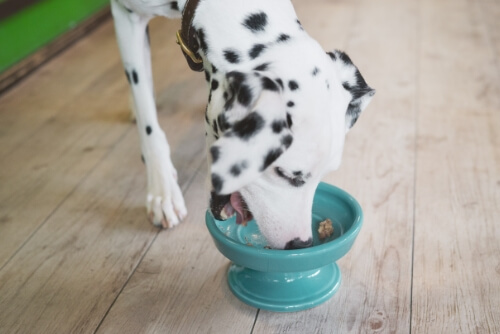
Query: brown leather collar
{"x": 186, "y": 37}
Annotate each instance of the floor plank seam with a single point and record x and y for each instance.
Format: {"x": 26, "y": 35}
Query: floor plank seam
{"x": 255, "y": 321}
{"x": 58, "y": 206}
{"x": 415, "y": 156}
{"x": 134, "y": 269}
{"x": 132, "y": 272}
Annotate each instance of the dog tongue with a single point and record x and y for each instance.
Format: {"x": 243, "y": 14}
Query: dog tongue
{"x": 243, "y": 216}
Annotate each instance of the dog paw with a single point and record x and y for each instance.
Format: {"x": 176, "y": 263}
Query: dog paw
{"x": 165, "y": 203}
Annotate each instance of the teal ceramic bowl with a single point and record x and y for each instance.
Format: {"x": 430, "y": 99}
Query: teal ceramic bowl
{"x": 289, "y": 280}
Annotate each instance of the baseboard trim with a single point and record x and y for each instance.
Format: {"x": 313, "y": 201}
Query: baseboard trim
{"x": 13, "y": 75}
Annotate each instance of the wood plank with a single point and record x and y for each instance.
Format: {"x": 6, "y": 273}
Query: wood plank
{"x": 52, "y": 140}
{"x": 489, "y": 11}
{"x": 180, "y": 286}
{"x": 40, "y": 174}
{"x": 72, "y": 269}
{"x": 378, "y": 169}
{"x": 457, "y": 248}
{"x": 53, "y": 90}
{"x": 76, "y": 185}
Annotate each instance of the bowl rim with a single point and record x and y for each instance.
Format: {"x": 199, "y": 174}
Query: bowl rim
{"x": 314, "y": 251}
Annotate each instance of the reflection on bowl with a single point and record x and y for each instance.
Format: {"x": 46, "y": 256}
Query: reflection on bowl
{"x": 289, "y": 280}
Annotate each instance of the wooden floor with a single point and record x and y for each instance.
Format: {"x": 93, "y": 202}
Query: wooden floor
{"x": 77, "y": 254}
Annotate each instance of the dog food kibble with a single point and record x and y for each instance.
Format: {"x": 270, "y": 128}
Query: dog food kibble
{"x": 325, "y": 229}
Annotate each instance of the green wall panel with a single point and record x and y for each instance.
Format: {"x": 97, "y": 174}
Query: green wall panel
{"x": 35, "y": 26}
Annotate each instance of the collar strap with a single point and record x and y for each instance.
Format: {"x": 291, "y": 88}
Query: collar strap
{"x": 186, "y": 37}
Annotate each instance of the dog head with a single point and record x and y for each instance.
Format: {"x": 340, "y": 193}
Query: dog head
{"x": 268, "y": 154}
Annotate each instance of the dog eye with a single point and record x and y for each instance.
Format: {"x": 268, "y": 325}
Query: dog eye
{"x": 280, "y": 172}
{"x": 296, "y": 180}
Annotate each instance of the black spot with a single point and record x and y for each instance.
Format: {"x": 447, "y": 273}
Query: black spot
{"x": 249, "y": 126}
{"x": 362, "y": 87}
{"x": 147, "y": 35}
{"x": 215, "y": 127}
{"x": 215, "y": 84}
{"x": 229, "y": 101}
{"x": 359, "y": 89}
{"x": 344, "y": 57}
{"x": 287, "y": 141}
{"x": 206, "y": 117}
{"x": 135, "y": 77}
{"x": 290, "y": 104}
{"x": 203, "y": 41}
{"x": 269, "y": 84}
{"x": 214, "y": 69}
{"x": 217, "y": 183}
{"x": 237, "y": 90}
{"x": 210, "y": 97}
{"x": 293, "y": 85}
{"x": 245, "y": 95}
{"x": 225, "y": 96}
{"x": 271, "y": 157}
{"x": 256, "y": 22}
{"x": 283, "y": 38}
{"x": 315, "y": 71}
{"x": 278, "y": 126}
{"x": 327, "y": 83}
{"x": 236, "y": 169}
{"x": 236, "y": 77}
{"x": 223, "y": 123}
{"x": 231, "y": 56}
{"x": 298, "y": 244}
{"x": 149, "y": 130}
{"x": 353, "y": 112}
{"x": 280, "y": 82}
{"x": 215, "y": 153}
{"x": 298, "y": 173}
{"x": 142, "y": 159}
{"x": 128, "y": 9}
{"x": 207, "y": 76}
{"x": 174, "y": 5}
{"x": 256, "y": 50}
{"x": 262, "y": 67}
{"x": 289, "y": 120}
{"x": 128, "y": 76}
{"x": 332, "y": 56}
{"x": 300, "y": 24}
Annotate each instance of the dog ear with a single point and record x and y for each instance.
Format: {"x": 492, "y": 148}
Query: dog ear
{"x": 253, "y": 130}
{"x": 354, "y": 83}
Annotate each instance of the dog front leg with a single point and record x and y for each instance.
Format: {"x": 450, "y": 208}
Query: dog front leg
{"x": 165, "y": 203}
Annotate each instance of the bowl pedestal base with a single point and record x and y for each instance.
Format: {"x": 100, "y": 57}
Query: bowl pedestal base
{"x": 284, "y": 292}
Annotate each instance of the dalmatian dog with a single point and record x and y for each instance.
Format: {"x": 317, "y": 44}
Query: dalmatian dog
{"x": 278, "y": 110}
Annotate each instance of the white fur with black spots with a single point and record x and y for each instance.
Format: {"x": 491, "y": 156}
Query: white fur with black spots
{"x": 278, "y": 112}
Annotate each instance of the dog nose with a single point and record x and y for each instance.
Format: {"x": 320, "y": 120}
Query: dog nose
{"x": 297, "y": 244}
